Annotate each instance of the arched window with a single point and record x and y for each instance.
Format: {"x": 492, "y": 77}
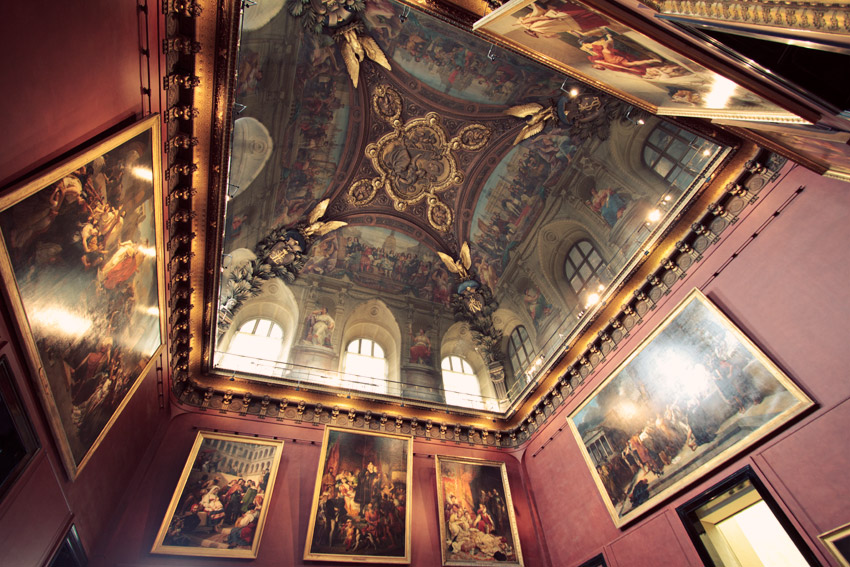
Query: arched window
{"x": 584, "y": 267}
{"x": 677, "y": 155}
{"x": 519, "y": 349}
{"x": 255, "y": 347}
{"x": 365, "y": 366}
{"x": 460, "y": 383}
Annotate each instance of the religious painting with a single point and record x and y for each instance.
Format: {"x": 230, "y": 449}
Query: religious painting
{"x": 319, "y": 327}
{"x": 420, "y": 348}
{"x": 18, "y": 442}
{"x": 536, "y": 305}
{"x": 837, "y": 542}
{"x": 222, "y": 499}
{"x": 573, "y": 38}
{"x": 693, "y": 394}
{"x": 361, "y": 511}
{"x": 82, "y": 261}
{"x": 477, "y": 523}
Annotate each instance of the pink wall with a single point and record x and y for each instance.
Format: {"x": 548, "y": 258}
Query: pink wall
{"x": 70, "y": 72}
{"x": 787, "y": 290}
{"x": 285, "y": 532}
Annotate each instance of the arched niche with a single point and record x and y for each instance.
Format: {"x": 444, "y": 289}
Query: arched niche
{"x": 373, "y": 320}
{"x": 276, "y": 303}
{"x": 457, "y": 341}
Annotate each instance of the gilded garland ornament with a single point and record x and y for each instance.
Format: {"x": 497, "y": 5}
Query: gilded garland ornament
{"x": 416, "y": 161}
{"x": 281, "y": 254}
{"x": 474, "y": 303}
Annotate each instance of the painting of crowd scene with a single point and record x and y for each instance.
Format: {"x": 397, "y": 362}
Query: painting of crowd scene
{"x": 360, "y": 507}
{"x": 693, "y": 394}
{"x": 451, "y": 61}
{"x": 81, "y": 251}
{"x": 222, "y": 499}
{"x": 477, "y": 523}
{"x": 572, "y": 35}
{"x": 381, "y": 259}
{"x": 512, "y": 200}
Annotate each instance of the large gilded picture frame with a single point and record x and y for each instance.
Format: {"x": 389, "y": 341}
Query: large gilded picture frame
{"x": 82, "y": 262}
{"x": 693, "y": 394}
{"x": 221, "y": 502}
{"x": 361, "y": 504}
{"x": 477, "y": 521}
{"x": 571, "y": 37}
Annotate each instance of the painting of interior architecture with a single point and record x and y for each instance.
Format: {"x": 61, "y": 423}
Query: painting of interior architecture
{"x": 222, "y": 499}
{"x": 691, "y": 395}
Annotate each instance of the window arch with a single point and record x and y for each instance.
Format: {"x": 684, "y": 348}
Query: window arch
{"x": 676, "y": 154}
{"x": 254, "y": 347}
{"x": 365, "y": 366}
{"x": 460, "y": 383}
{"x": 584, "y": 267}
{"x": 520, "y": 349}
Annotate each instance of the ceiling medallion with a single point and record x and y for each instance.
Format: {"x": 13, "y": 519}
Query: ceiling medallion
{"x": 415, "y": 161}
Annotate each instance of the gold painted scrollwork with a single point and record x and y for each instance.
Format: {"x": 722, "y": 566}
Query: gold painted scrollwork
{"x": 472, "y": 137}
{"x": 416, "y": 160}
{"x": 387, "y": 103}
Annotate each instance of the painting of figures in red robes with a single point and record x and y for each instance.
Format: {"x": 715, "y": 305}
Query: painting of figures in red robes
{"x": 477, "y": 522}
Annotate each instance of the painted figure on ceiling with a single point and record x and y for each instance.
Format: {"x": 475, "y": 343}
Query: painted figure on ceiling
{"x": 420, "y": 348}
{"x": 567, "y": 18}
{"x": 610, "y": 204}
{"x": 320, "y": 326}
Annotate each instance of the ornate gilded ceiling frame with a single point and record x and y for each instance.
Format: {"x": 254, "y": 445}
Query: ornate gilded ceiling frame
{"x": 192, "y": 387}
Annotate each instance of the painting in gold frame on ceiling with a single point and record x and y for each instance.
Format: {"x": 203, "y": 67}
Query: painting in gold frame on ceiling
{"x": 83, "y": 264}
{"x": 692, "y": 395}
{"x": 361, "y": 503}
{"x": 573, "y": 38}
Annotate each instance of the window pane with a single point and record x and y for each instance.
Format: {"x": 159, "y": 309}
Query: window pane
{"x": 663, "y": 167}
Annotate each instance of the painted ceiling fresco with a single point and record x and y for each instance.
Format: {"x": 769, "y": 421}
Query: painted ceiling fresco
{"x": 423, "y": 155}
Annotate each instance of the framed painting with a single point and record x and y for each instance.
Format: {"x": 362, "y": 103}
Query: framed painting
{"x": 361, "y": 511}
{"x": 477, "y": 522}
{"x": 837, "y": 542}
{"x": 222, "y": 499}
{"x": 18, "y": 442}
{"x": 82, "y": 263}
{"x": 693, "y": 394}
{"x": 575, "y": 39}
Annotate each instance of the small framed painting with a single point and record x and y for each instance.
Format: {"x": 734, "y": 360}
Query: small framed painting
{"x": 82, "y": 260}
{"x": 693, "y": 394}
{"x": 222, "y": 499}
{"x": 477, "y": 522}
{"x": 361, "y": 510}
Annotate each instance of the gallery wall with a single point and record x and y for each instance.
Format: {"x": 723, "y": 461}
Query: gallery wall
{"x": 780, "y": 275}
{"x": 71, "y": 74}
{"x": 285, "y": 531}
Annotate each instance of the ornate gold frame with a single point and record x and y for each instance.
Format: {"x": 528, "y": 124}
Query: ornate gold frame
{"x": 314, "y": 508}
{"x": 41, "y": 182}
{"x": 441, "y": 506}
{"x": 715, "y": 455}
{"x": 159, "y": 547}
